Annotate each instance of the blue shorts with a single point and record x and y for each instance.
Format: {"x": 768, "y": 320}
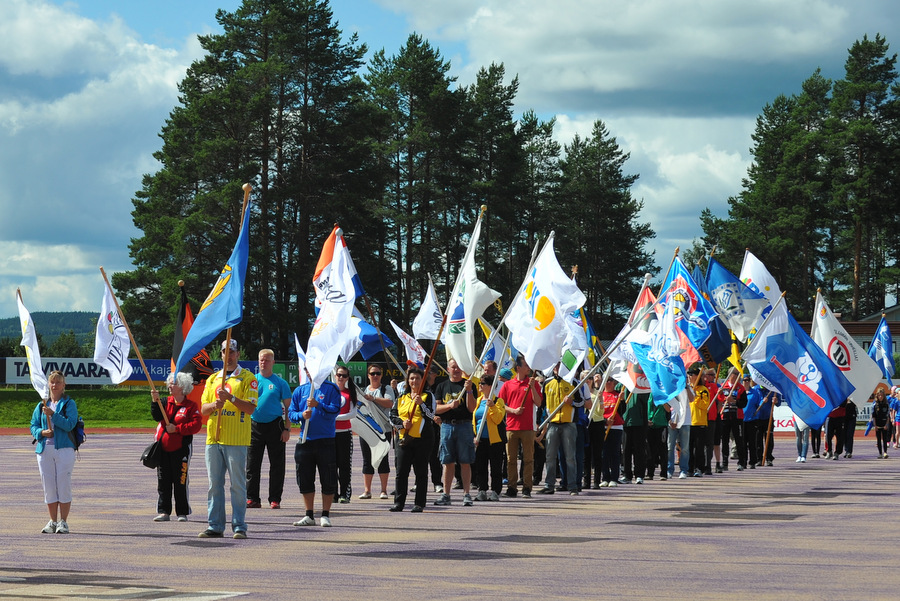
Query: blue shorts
{"x": 457, "y": 444}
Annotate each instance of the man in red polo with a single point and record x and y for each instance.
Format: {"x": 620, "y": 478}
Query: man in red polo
{"x": 521, "y": 395}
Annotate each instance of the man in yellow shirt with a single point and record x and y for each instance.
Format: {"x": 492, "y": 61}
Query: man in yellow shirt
{"x": 229, "y": 408}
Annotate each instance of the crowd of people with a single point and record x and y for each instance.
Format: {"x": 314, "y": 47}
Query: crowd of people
{"x": 512, "y": 428}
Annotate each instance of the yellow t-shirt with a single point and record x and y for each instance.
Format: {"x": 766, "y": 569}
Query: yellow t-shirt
{"x": 235, "y": 429}
{"x": 555, "y": 390}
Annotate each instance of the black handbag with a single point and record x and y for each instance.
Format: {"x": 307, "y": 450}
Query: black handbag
{"x": 152, "y": 455}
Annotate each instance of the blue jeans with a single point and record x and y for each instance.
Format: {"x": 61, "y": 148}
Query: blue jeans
{"x": 680, "y": 435}
{"x": 802, "y": 441}
{"x": 233, "y": 459}
{"x": 561, "y": 435}
{"x": 457, "y": 443}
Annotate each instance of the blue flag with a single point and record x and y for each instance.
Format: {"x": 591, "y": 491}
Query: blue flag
{"x": 661, "y": 360}
{"x": 718, "y": 345}
{"x": 882, "y": 350}
{"x": 692, "y": 312}
{"x": 792, "y": 363}
{"x": 224, "y": 307}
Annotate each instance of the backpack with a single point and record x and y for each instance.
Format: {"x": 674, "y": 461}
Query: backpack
{"x": 76, "y": 434}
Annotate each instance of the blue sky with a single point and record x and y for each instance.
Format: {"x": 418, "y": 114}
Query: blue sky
{"x": 86, "y": 86}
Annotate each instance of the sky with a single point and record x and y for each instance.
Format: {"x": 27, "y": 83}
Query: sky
{"x": 86, "y": 86}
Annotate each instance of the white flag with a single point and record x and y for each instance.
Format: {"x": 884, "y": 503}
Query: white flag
{"x": 428, "y": 320}
{"x": 32, "y": 352}
{"x": 536, "y": 320}
{"x": 334, "y": 319}
{"x": 469, "y": 300}
{"x": 414, "y": 350}
{"x": 301, "y": 362}
{"x": 111, "y": 344}
{"x": 755, "y": 275}
{"x": 844, "y": 352}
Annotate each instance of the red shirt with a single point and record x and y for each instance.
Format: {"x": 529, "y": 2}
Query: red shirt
{"x": 715, "y": 404}
{"x": 515, "y": 393}
{"x": 609, "y": 405}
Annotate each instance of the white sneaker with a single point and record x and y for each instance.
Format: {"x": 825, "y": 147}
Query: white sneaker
{"x": 638, "y": 480}
{"x": 182, "y": 518}
{"x": 682, "y": 476}
{"x": 799, "y": 459}
{"x": 325, "y": 521}
{"x": 438, "y": 488}
{"x": 803, "y": 460}
{"x": 163, "y": 517}
{"x": 613, "y": 483}
{"x": 62, "y": 527}
{"x": 50, "y": 528}
{"x": 306, "y": 521}
{"x": 604, "y": 484}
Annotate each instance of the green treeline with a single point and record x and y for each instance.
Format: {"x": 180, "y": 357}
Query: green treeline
{"x": 819, "y": 205}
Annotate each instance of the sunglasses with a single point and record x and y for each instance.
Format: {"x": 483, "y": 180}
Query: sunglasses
{"x": 374, "y": 373}
{"x": 343, "y": 375}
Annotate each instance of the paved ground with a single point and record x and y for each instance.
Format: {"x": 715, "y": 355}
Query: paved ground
{"x": 813, "y": 531}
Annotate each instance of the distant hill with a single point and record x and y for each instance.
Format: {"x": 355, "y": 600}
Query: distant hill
{"x": 51, "y": 324}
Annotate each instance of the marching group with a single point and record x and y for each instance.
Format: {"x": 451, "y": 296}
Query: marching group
{"x": 450, "y": 432}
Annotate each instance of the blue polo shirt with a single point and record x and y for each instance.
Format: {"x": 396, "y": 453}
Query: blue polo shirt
{"x": 272, "y": 391}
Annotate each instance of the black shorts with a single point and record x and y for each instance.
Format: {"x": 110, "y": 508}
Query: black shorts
{"x": 312, "y": 455}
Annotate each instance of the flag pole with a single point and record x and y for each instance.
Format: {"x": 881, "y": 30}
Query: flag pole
{"x": 760, "y": 328}
{"x": 137, "y": 350}
{"x": 246, "y": 188}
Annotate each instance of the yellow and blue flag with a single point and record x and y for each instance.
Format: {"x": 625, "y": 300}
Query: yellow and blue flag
{"x": 224, "y": 307}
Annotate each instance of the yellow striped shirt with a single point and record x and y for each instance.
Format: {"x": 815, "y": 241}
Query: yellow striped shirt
{"x": 235, "y": 429}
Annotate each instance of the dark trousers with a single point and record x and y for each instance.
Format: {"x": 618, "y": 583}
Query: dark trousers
{"x": 612, "y": 455}
{"x": 815, "y": 440}
{"x": 172, "y": 480}
{"x": 849, "y": 433}
{"x": 265, "y": 438}
{"x": 634, "y": 451}
{"x": 750, "y": 437}
{"x": 762, "y": 433}
{"x": 834, "y": 429}
{"x": 489, "y": 455}
{"x": 713, "y": 435}
{"x": 414, "y": 454}
{"x": 697, "y": 460}
{"x": 732, "y": 426}
{"x": 343, "y": 450}
{"x": 593, "y": 460}
{"x": 658, "y": 450}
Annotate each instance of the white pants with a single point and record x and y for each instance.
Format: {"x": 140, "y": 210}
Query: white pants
{"x": 56, "y": 473}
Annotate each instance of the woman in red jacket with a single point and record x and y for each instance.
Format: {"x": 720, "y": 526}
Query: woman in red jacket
{"x": 176, "y": 437}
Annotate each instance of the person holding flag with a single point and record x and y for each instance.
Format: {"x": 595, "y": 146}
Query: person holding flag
{"x": 229, "y": 399}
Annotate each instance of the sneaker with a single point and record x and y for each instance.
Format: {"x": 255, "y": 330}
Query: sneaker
{"x": 623, "y": 480}
{"x": 306, "y": 521}
{"x": 325, "y": 521}
{"x": 803, "y": 460}
{"x": 62, "y": 527}
{"x": 613, "y": 484}
{"x": 412, "y": 489}
{"x": 885, "y": 455}
{"x": 718, "y": 469}
{"x": 50, "y": 528}
{"x": 769, "y": 464}
{"x": 697, "y": 473}
{"x": 396, "y": 507}
{"x": 209, "y": 533}
{"x": 827, "y": 455}
{"x": 275, "y": 505}
{"x": 467, "y": 501}
{"x": 492, "y": 496}
{"x": 573, "y": 493}
{"x": 438, "y": 488}
{"x": 344, "y": 499}
{"x": 511, "y": 493}
{"x": 815, "y": 455}
{"x": 663, "y": 478}
{"x": 416, "y": 509}
{"x": 848, "y": 456}
{"x": 163, "y": 517}
{"x": 799, "y": 459}
{"x": 240, "y": 534}
{"x": 638, "y": 480}
{"x": 365, "y": 495}
{"x": 682, "y": 476}
{"x": 457, "y": 485}
{"x": 649, "y": 477}
{"x": 444, "y": 499}
{"x": 526, "y": 493}
{"x": 604, "y": 484}
{"x": 182, "y": 518}
{"x": 383, "y": 495}
{"x": 481, "y": 496}
{"x": 253, "y": 504}
{"x": 835, "y": 457}
{"x": 546, "y": 491}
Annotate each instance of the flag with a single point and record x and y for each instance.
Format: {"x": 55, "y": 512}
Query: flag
{"x": 758, "y": 279}
{"x": 844, "y": 352}
{"x": 661, "y": 359}
{"x": 334, "y": 267}
{"x": 224, "y": 307}
{"x": 414, "y": 350}
{"x": 32, "y": 352}
{"x": 718, "y": 345}
{"x": 882, "y": 349}
{"x": 594, "y": 352}
{"x": 111, "y": 343}
{"x": 200, "y": 366}
{"x": 496, "y": 349}
{"x": 738, "y": 304}
{"x": 625, "y": 367}
{"x": 796, "y": 367}
{"x": 301, "y": 362}
{"x": 536, "y": 320}
{"x": 468, "y": 301}
{"x": 691, "y": 311}
{"x": 427, "y": 323}
{"x": 327, "y": 340}
{"x": 361, "y": 337}
{"x": 569, "y": 364}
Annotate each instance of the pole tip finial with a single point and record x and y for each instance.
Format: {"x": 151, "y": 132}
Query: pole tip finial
{"x": 181, "y": 283}
{"x": 246, "y": 188}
